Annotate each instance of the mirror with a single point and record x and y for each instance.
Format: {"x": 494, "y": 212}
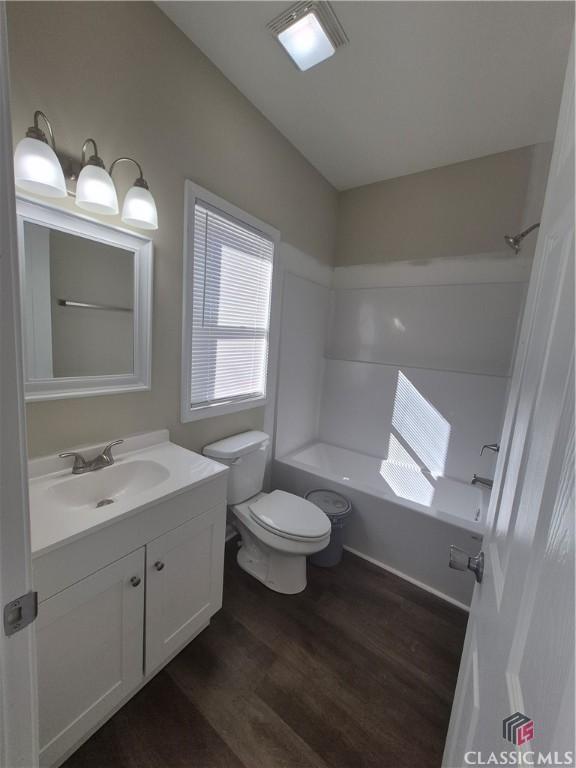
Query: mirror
{"x": 79, "y": 300}
{"x": 85, "y": 293}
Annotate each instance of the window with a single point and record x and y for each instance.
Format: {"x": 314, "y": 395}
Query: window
{"x": 229, "y": 260}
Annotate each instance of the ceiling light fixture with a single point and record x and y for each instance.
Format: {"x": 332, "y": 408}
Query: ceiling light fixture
{"x": 306, "y": 42}
{"x": 309, "y": 32}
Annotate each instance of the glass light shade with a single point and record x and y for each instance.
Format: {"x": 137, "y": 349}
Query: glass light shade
{"x": 95, "y": 191}
{"x": 306, "y": 42}
{"x": 37, "y": 169}
{"x": 139, "y": 209}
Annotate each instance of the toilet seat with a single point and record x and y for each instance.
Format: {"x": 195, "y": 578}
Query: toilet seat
{"x": 289, "y": 516}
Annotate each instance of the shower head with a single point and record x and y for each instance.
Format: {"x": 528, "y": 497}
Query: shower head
{"x": 515, "y": 241}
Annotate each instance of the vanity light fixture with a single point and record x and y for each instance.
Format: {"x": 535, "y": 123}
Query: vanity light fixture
{"x": 36, "y": 166}
{"x": 37, "y": 169}
{"x": 139, "y": 209}
{"x": 95, "y": 190}
{"x": 309, "y": 32}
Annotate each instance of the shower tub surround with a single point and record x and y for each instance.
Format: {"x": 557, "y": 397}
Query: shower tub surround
{"x": 398, "y": 402}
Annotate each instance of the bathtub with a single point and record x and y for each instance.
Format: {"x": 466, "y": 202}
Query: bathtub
{"x": 404, "y": 519}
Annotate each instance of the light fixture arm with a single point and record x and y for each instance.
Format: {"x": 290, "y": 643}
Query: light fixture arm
{"x": 140, "y": 181}
{"x": 35, "y": 132}
{"x": 95, "y": 158}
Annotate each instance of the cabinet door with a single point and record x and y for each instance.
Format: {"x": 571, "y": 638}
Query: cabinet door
{"x": 184, "y": 584}
{"x": 90, "y": 652}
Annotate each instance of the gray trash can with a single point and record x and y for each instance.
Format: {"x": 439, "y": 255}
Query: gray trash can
{"x": 338, "y": 509}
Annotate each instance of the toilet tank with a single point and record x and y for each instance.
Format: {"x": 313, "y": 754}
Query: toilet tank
{"x": 245, "y": 454}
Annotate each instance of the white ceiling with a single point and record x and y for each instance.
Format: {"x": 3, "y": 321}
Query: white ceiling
{"x": 420, "y": 84}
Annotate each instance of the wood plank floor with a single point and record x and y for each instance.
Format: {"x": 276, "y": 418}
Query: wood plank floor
{"x": 356, "y": 672}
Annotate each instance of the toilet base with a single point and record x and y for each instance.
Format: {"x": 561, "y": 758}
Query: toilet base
{"x": 278, "y": 571}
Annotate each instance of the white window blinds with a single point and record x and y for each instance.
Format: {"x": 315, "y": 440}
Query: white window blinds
{"x": 232, "y": 278}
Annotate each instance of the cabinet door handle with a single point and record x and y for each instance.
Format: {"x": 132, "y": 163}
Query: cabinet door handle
{"x": 135, "y": 581}
{"x": 159, "y": 565}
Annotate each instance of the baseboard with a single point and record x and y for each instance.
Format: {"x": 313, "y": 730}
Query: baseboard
{"x": 416, "y": 583}
{"x": 231, "y": 532}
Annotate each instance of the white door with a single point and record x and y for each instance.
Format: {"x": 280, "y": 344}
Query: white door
{"x": 18, "y": 729}
{"x": 515, "y": 690}
{"x": 90, "y": 641}
{"x": 183, "y": 584}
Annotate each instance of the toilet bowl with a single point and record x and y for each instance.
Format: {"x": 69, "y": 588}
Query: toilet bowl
{"x": 277, "y": 557}
{"x": 278, "y": 530}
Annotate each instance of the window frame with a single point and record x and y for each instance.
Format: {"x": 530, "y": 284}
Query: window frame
{"x": 194, "y": 193}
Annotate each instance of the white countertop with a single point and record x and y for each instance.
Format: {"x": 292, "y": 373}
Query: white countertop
{"x": 147, "y": 469}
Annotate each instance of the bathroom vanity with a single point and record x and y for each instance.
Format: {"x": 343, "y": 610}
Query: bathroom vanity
{"x": 122, "y": 585}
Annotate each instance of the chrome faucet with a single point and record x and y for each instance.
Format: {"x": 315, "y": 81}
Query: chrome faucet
{"x": 477, "y": 480}
{"x": 82, "y": 465}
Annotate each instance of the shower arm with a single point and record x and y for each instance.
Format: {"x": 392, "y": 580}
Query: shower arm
{"x": 515, "y": 241}
{"x": 527, "y": 231}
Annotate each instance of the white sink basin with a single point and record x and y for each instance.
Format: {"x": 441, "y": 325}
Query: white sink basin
{"x": 109, "y": 485}
{"x": 147, "y": 469}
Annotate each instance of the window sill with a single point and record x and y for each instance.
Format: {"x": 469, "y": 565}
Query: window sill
{"x": 210, "y": 411}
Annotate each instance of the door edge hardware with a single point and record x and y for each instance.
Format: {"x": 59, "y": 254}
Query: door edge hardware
{"x": 20, "y": 612}
{"x": 462, "y": 561}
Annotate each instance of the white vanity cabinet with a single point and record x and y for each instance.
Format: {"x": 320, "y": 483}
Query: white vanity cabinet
{"x": 120, "y": 598}
{"x": 90, "y": 652}
{"x": 183, "y": 584}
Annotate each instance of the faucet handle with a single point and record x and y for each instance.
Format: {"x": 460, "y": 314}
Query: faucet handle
{"x": 495, "y": 447}
{"x": 107, "y": 452}
{"x": 79, "y": 460}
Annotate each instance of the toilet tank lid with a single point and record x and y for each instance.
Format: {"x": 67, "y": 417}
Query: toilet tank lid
{"x": 236, "y": 445}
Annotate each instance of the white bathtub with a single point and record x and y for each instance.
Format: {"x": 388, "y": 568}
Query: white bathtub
{"x": 404, "y": 520}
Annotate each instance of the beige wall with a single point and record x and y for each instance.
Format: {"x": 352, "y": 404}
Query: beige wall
{"x": 455, "y": 210}
{"x": 124, "y": 74}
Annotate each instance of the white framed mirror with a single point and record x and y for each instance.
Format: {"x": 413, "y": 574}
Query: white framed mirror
{"x": 86, "y": 295}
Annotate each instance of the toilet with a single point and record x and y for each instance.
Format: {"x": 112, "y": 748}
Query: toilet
{"x": 278, "y": 529}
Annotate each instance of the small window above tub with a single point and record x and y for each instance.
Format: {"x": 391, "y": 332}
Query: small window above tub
{"x": 228, "y": 268}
